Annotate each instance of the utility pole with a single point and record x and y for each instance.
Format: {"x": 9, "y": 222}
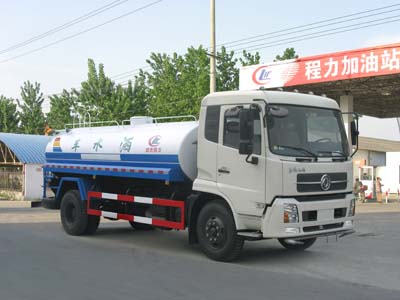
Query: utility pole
{"x": 212, "y": 48}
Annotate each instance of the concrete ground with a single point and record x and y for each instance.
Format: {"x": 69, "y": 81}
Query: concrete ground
{"x": 39, "y": 261}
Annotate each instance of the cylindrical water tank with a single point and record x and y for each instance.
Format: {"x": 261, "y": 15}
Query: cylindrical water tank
{"x": 156, "y": 145}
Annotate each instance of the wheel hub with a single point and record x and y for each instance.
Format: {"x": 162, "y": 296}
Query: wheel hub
{"x": 71, "y": 213}
{"x": 215, "y": 231}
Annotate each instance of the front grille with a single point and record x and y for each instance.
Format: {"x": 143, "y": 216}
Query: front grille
{"x": 322, "y": 227}
{"x": 311, "y": 182}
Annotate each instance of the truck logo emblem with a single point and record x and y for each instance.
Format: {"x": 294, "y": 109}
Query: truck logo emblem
{"x": 154, "y": 141}
{"x": 325, "y": 182}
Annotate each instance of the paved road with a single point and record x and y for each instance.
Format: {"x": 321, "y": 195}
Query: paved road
{"x": 39, "y": 261}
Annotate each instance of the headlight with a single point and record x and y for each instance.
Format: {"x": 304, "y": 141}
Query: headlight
{"x": 352, "y": 209}
{"x": 290, "y": 213}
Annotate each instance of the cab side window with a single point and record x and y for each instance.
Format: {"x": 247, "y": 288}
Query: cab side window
{"x": 212, "y": 123}
{"x": 231, "y": 128}
{"x": 231, "y": 136}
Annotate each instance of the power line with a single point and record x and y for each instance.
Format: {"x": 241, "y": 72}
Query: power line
{"x": 129, "y": 73}
{"x": 298, "y": 39}
{"x": 315, "y": 27}
{"x": 84, "y": 31}
{"x": 307, "y": 25}
{"x": 308, "y": 36}
{"x": 291, "y": 30}
{"x": 65, "y": 25}
{"x": 279, "y": 42}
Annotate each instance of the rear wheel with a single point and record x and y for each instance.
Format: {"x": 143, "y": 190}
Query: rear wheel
{"x": 74, "y": 217}
{"x": 297, "y": 244}
{"x": 216, "y": 232}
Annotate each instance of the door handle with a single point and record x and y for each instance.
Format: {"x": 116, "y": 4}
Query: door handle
{"x": 223, "y": 170}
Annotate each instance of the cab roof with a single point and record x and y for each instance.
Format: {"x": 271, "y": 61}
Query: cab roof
{"x": 277, "y": 97}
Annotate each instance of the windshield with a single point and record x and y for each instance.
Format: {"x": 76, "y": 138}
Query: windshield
{"x": 307, "y": 131}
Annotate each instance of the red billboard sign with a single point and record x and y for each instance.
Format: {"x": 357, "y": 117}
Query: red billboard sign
{"x": 374, "y": 61}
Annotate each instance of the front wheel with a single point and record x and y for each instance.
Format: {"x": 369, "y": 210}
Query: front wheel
{"x": 74, "y": 218}
{"x": 216, "y": 232}
{"x": 297, "y": 244}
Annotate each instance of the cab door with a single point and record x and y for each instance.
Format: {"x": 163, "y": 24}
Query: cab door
{"x": 242, "y": 182}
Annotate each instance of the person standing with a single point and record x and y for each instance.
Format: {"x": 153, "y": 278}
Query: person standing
{"x": 358, "y": 190}
{"x": 378, "y": 189}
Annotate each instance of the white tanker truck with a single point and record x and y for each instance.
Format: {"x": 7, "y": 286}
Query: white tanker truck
{"x": 256, "y": 165}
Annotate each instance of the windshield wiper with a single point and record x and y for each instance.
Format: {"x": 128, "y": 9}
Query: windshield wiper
{"x": 300, "y": 149}
{"x": 341, "y": 154}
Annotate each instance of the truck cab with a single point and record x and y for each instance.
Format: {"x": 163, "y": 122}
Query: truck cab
{"x": 281, "y": 161}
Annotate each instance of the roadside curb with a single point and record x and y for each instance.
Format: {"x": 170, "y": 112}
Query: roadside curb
{"x": 377, "y": 207}
{"x": 19, "y": 204}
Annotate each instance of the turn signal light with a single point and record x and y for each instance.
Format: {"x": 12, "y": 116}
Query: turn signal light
{"x": 290, "y": 213}
{"x": 352, "y": 209}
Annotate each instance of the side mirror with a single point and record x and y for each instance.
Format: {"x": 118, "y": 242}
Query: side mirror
{"x": 354, "y": 133}
{"x": 246, "y": 131}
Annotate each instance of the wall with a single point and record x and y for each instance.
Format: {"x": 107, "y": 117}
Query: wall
{"x": 390, "y": 173}
{"x": 33, "y": 181}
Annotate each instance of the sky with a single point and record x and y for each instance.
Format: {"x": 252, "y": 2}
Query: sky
{"x": 166, "y": 26}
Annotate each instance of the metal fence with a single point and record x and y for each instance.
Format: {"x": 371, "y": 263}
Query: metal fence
{"x": 11, "y": 181}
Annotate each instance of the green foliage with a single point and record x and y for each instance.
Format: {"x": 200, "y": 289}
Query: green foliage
{"x": 30, "y": 106}
{"x": 227, "y": 71}
{"x": 61, "y": 110}
{"x": 99, "y": 99}
{"x": 177, "y": 83}
{"x": 174, "y": 85}
{"x": 140, "y": 94}
{"x": 95, "y": 95}
{"x": 8, "y": 115}
{"x": 289, "y": 53}
{"x": 249, "y": 59}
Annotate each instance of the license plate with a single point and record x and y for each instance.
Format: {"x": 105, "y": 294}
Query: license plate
{"x": 325, "y": 214}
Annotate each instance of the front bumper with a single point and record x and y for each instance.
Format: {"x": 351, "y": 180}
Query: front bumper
{"x": 316, "y": 218}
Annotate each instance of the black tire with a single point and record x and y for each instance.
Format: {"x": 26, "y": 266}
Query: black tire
{"x": 216, "y": 232}
{"x": 140, "y": 226}
{"x": 50, "y": 203}
{"x": 74, "y": 218}
{"x": 299, "y": 245}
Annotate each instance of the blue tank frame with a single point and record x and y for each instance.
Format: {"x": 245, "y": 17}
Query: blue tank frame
{"x": 144, "y": 166}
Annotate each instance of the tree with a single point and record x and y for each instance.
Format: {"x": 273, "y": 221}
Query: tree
{"x": 61, "y": 109}
{"x": 30, "y": 106}
{"x": 175, "y": 85}
{"x": 227, "y": 71}
{"x": 95, "y": 94}
{"x": 139, "y": 92}
{"x": 178, "y": 83}
{"x": 101, "y": 99}
{"x": 8, "y": 115}
{"x": 249, "y": 59}
{"x": 289, "y": 53}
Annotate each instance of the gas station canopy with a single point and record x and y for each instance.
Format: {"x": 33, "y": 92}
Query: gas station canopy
{"x": 371, "y": 76}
